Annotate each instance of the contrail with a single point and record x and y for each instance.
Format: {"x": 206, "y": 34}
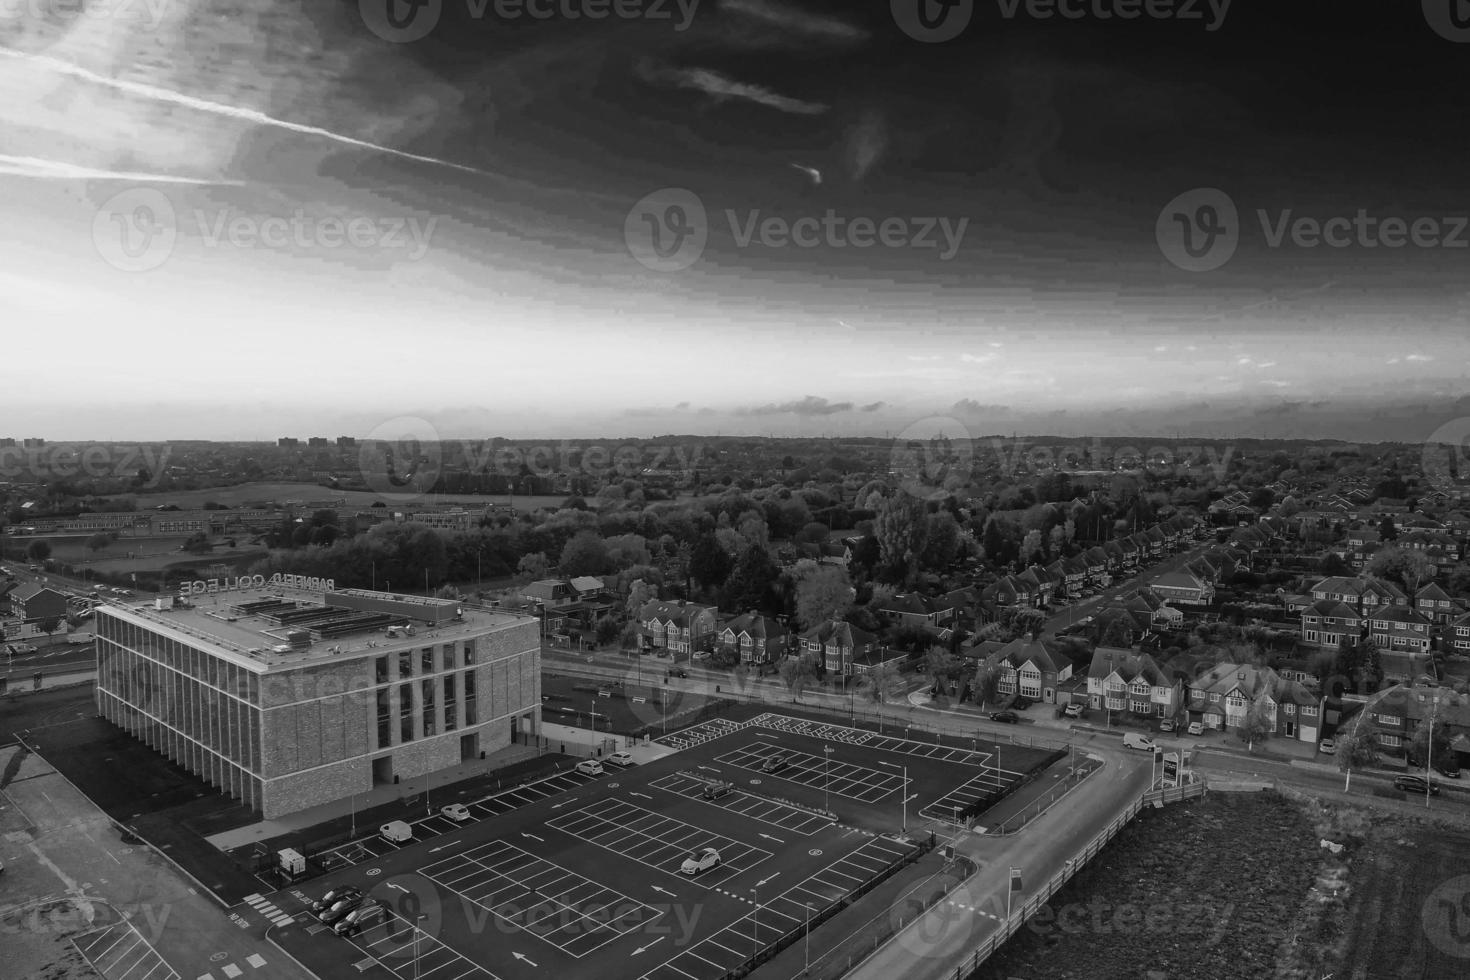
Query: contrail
{"x": 235, "y": 112}
{"x": 15, "y": 166}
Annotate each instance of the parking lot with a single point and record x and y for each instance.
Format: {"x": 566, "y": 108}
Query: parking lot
{"x": 119, "y": 952}
{"x": 583, "y": 877}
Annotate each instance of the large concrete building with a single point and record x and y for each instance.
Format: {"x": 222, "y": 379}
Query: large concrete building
{"x": 287, "y": 698}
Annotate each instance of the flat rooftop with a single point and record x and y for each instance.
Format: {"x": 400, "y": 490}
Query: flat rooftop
{"x": 245, "y": 626}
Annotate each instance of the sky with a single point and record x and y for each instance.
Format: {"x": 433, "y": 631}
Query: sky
{"x": 183, "y": 174}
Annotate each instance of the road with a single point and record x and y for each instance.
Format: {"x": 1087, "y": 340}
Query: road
{"x": 1074, "y": 613}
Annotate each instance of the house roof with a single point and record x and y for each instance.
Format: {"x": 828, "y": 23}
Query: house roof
{"x": 1397, "y": 614}
{"x": 1252, "y": 682}
{"x": 1045, "y": 654}
{"x": 1130, "y": 665}
{"x": 755, "y": 625}
{"x": 1332, "y": 607}
{"x": 25, "y": 593}
{"x": 1179, "y": 580}
{"x": 679, "y": 613}
{"x": 587, "y": 583}
{"x": 912, "y": 604}
{"x": 843, "y": 634}
{"x": 1434, "y": 592}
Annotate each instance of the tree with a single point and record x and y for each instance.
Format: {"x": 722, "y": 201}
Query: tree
{"x": 51, "y": 624}
{"x": 750, "y": 583}
{"x": 638, "y": 595}
{"x": 629, "y": 637}
{"x": 1031, "y": 548}
{"x": 879, "y": 685}
{"x": 1333, "y": 564}
{"x": 1405, "y": 566}
{"x": 584, "y": 554}
{"x": 532, "y": 566}
{"x": 38, "y": 551}
{"x": 986, "y": 683}
{"x": 709, "y": 563}
{"x": 1358, "y": 749}
{"x": 97, "y": 542}
{"x": 1259, "y": 723}
{"x": 1422, "y": 750}
{"x": 797, "y": 671}
{"x": 606, "y": 629}
{"x": 822, "y": 595}
{"x": 1387, "y": 530}
{"x": 942, "y": 667}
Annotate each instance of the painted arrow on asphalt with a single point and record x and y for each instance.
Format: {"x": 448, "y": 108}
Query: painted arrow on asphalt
{"x": 665, "y": 891}
{"x": 773, "y": 877}
{"x": 709, "y": 768}
{"x": 776, "y": 839}
{"x": 644, "y": 795}
{"x": 533, "y": 837}
{"x": 641, "y": 949}
{"x": 399, "y": 887}
{"x": 524, "y": 957}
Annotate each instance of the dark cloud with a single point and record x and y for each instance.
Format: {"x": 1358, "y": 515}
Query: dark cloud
{"x": 810, "y": 405}
{"x": 873, "y": 407}
{"x": 971, "y": 407}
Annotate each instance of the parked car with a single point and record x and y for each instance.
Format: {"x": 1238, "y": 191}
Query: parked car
{"x": 1448, "y": 767}
{"x": 621, "y": 758}
{"x": 1073, "y": 711}
{"x": 1196, "y": 728}
{"x": 1327, "y": 747}
{"x": 700, "y": 860}
{"x": 396, "y": 831}
{"x": 1136, "y": 740}
{"x": 1021, "y": 704}
{"x": 457, "y": 812}
{"x": 715, "y": 790}
{"x": 365, "y": 915}
{"x": 339, "y": 910}
{"x": 1167, "y": 725}
{"x": 333, "y": 897}
{"x": 773, "y": 763}
{"x": 1007, "y": 717}
{"x": 590, "y": 767}
{"x": 1416, "y": 784}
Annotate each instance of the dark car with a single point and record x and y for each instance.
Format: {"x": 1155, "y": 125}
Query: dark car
{"x": 678, "y": 672}
{"x": 1416, "y": 784}
{"x": 715, "y": 790}
{"x": 1009, "y": 717}
{"x": 339, "y": 910}
{"x": 1448, "y": 767}
{"x": 773, "y": 763}
{"x": 333, "y": 897}
{"x": 1021, "y": 704}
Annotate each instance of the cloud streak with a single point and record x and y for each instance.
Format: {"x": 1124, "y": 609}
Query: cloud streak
{"x": 808, "y": 406}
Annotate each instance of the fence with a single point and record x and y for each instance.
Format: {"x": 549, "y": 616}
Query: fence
{"x": 1174, "y": 794}
{"x": 1043, "y": 803}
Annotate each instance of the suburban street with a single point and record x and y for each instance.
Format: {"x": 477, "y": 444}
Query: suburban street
{"x": 1076, "y": 612}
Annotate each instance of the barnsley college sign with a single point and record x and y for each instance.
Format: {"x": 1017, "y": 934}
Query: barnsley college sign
{"x": 257, "y": 582}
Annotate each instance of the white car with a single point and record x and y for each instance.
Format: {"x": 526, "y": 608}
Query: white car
{"x": 1196, "y": 728}
{"x": 590, "y": 767}
{"x": 457, "y": 812}
{"x": 700, "y": 860}
{"x": 1073, "y": 711}
{"x": 621, "y": 758}
{"x": 1327, "y": 746}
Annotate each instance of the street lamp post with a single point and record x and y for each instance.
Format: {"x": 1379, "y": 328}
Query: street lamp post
{"x": 807, "y": 933}
{"x": 416, "y": 920}
{"x": 827, "y": 778}
{"x": 905, "y": 799}
{"x": 755, "y": 939}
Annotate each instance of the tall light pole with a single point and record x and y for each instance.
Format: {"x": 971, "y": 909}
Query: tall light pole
{"x": 416, "y": 920}
{"x": 827, "y": 778}
{"x": 808, "y": 936}
{"x": 905, "y": 799}
{"x": 755, "y": 939}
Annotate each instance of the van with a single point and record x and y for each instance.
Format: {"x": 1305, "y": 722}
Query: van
{"x": 396, "y": 831}
{"x": 1135, "y": 740}
{"x": 715, "y": 790}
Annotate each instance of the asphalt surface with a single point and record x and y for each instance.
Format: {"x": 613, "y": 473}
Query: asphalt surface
{"x": 627, "y": 831}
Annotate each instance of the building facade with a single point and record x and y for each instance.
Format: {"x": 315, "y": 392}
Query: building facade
{"x": 287, "y": 700}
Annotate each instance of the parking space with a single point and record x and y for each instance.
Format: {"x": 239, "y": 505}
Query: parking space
{"x": 838, "y": 778}
{"x": 770, "y": 919}
{"x": 872, "y": 740}
{"x": 560, "y": 907}
{"x": 657, "y": 841}
{"x": 119, "y": 952}
{"x": 409, "y": 952}
{"x": 372, "y": 847}
{"x": 747, "y": 805}
{"x": 967, "y": 793}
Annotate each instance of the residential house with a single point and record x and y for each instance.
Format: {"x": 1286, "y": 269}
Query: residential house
{"x": 1069, "y": 573}
{"x": 1364, "y": 593}
{"x": 33, "y": 603}
{"x": 1435, "y": 603}
{"x": 1400, "y": 712}
{"x": 549, "y": 592}
{"x": 678, "y": 626}
{"x": 1224, "y": 694}
{"x": 1457, "y": 635}
{"x": 915, "y": 610}
{"x": 756, "y": 639}
{"x": 1096, "y": 559}
{"x": 1326, "y": 622}
{"x": 587, "y": 587}
{"x": 1399, "y": 628}
{"x": 1030, "y": 668}
{"x": 1132, "y": 682}
{"x": 1184, "y": 587}
{"x": 845, "y": 650}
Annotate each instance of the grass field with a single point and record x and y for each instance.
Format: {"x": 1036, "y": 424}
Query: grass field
{"x": 1238, "y": 885}
{"x": 150, "y": 554}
